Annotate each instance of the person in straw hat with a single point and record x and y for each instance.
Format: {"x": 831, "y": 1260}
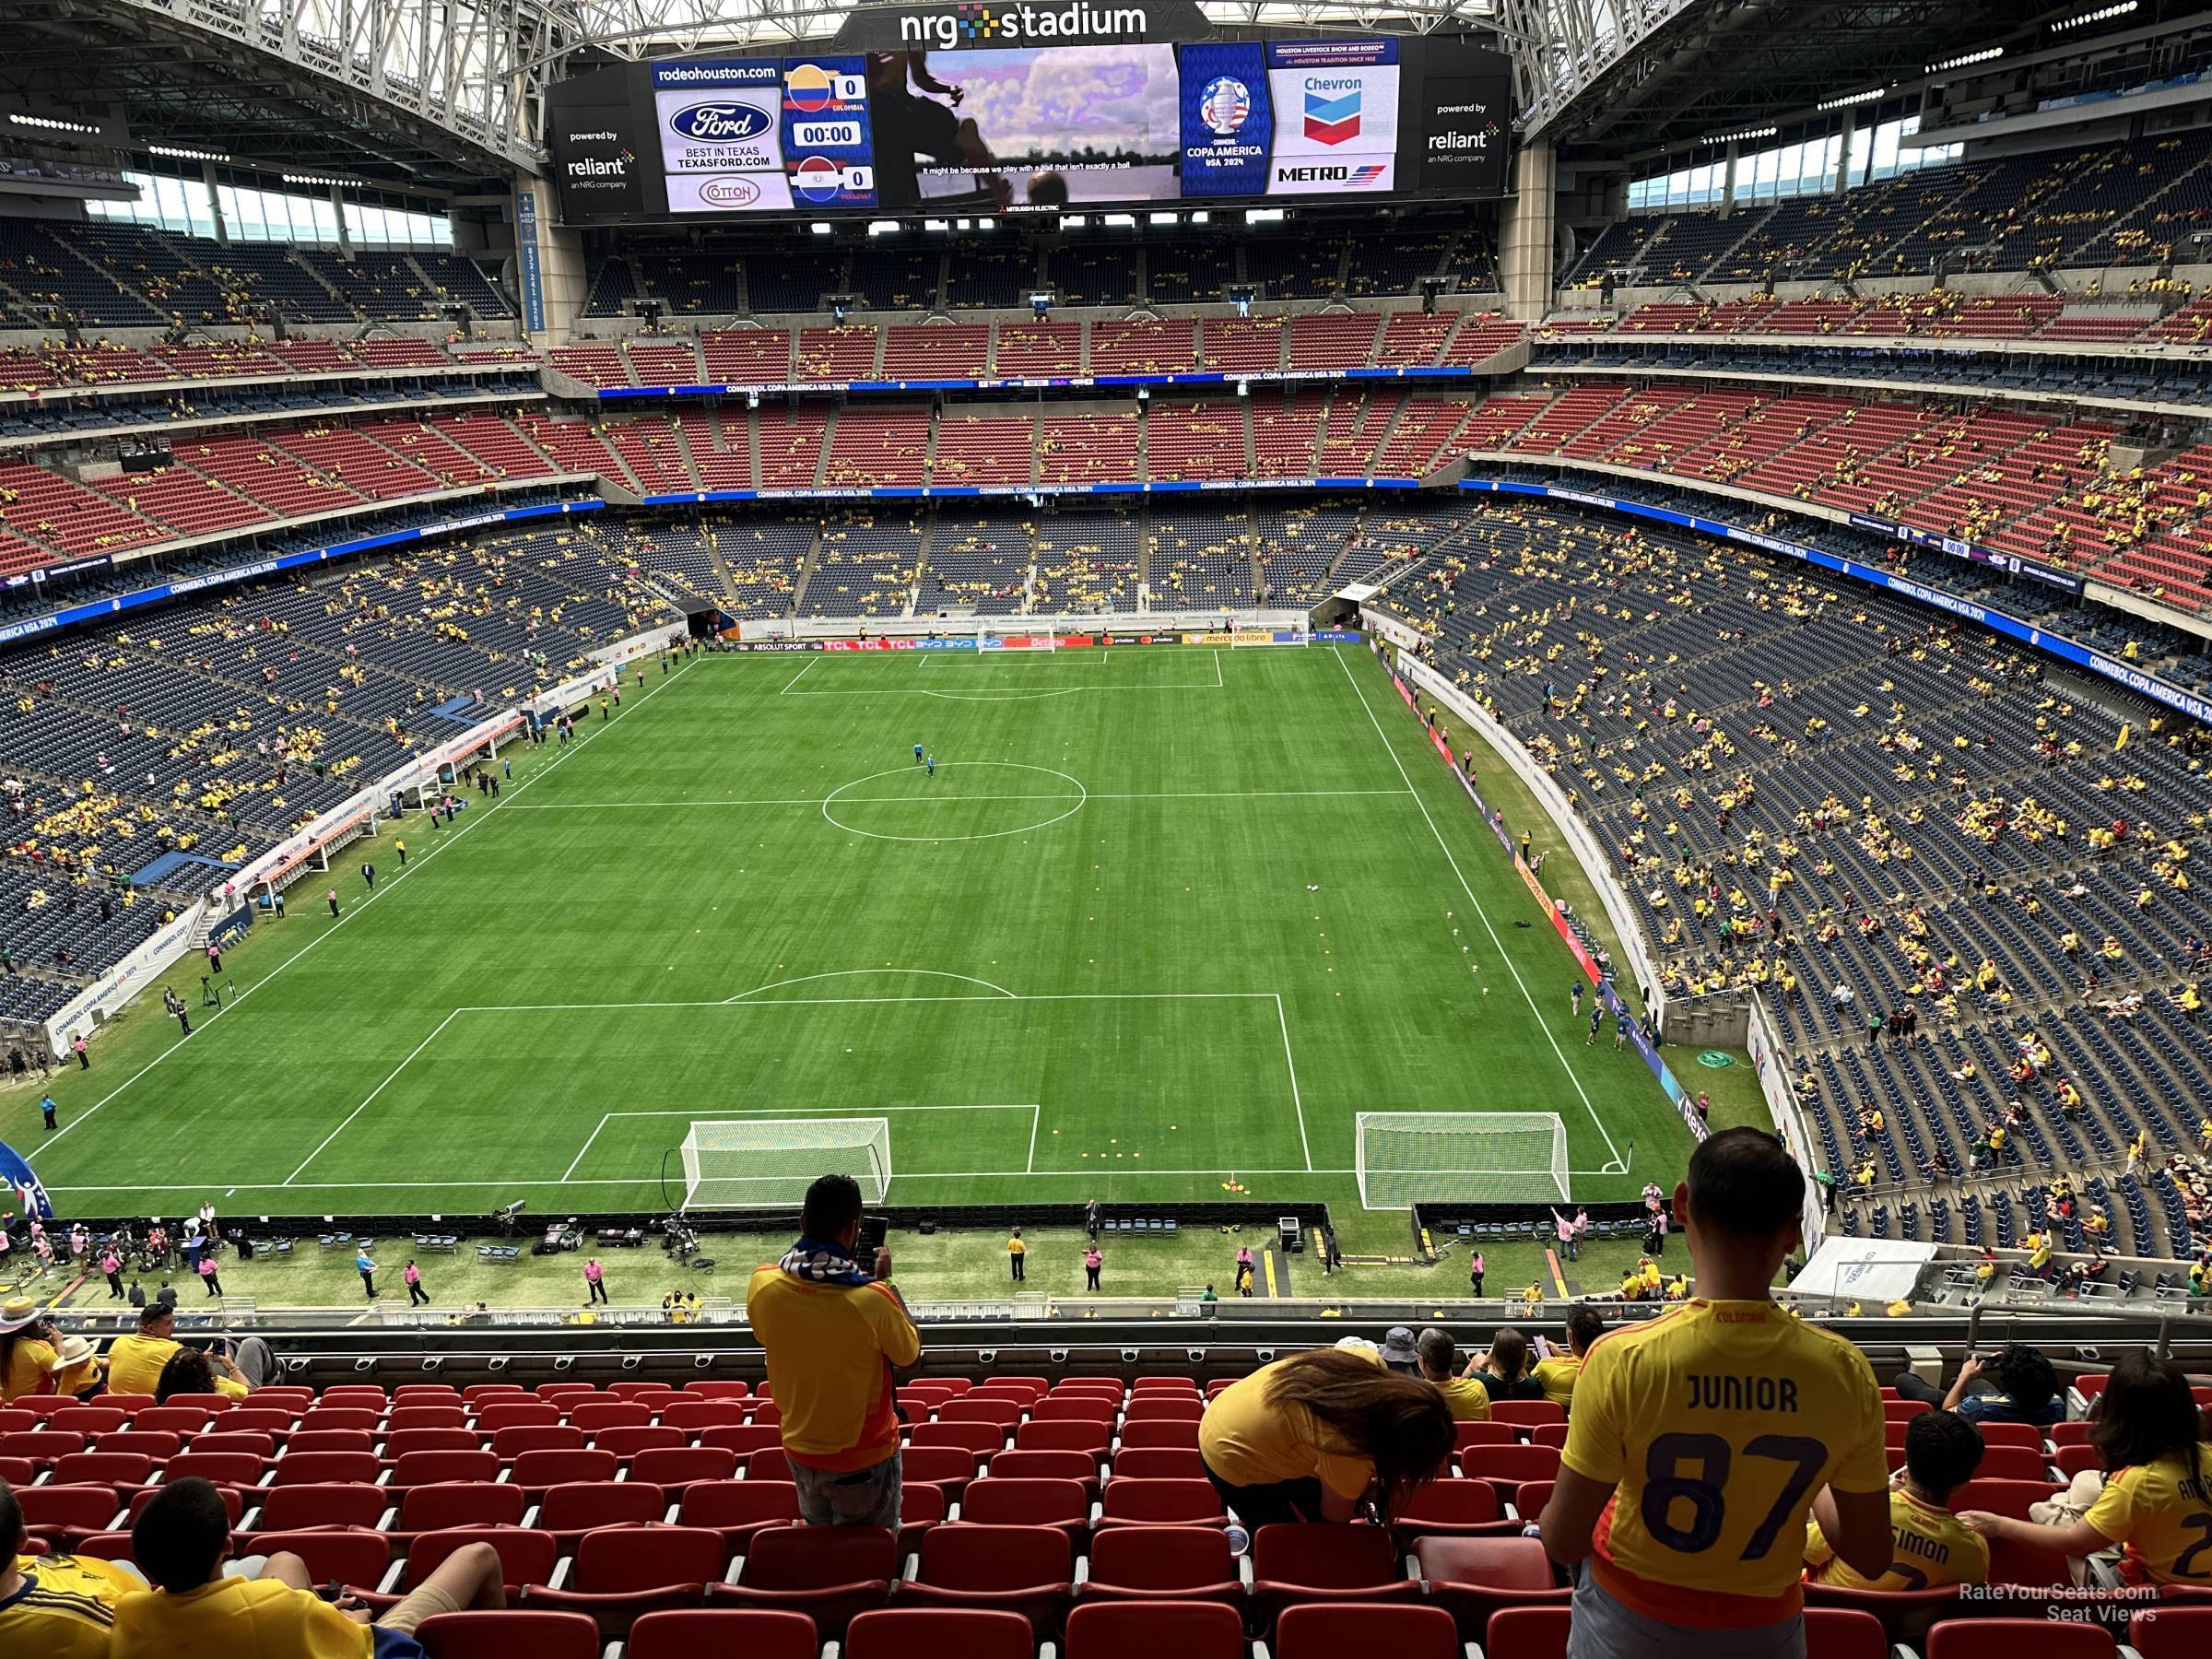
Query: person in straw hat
{"x": 35, "y": 1359}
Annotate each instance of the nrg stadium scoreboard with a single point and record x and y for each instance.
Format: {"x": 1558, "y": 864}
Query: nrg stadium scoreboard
{"x": 1065, "y": 105}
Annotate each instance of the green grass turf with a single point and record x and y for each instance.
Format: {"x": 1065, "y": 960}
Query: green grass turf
{"x": 1082, "y": 960}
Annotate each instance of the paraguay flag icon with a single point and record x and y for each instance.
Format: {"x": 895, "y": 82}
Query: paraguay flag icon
{"x": 1331, "y": 120}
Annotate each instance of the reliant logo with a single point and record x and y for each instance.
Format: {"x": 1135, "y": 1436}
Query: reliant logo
{"x": 722, "y": 122}
{"x": 1459, "y": 141}
{"x": 602, "y": 166}
{"x": 975, "y": 24}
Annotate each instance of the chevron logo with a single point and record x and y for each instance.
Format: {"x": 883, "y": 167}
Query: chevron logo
{"x": 1331, "y": 120}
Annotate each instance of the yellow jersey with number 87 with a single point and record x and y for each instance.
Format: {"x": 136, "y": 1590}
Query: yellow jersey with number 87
{"x": 1719, "y": 1423}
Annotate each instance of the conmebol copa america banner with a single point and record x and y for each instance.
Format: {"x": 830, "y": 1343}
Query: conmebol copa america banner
{"x": 1289, "y": 118}
{"x": 763, "y": 135}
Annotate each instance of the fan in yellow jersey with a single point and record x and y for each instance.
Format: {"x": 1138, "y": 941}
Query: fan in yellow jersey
{"x": 1929, "y": 1545}
{"x": 1702, "y": 1440}
{"x": 1556, "y": 1373}
{"x": 2157, "y": 1501}
{"x": 56, "y": 1606}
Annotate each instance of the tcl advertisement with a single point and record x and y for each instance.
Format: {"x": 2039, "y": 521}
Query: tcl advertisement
{"x": 989, "y": 126}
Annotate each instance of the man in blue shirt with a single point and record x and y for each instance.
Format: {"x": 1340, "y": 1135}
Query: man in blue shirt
{"x": 2016, "y": 1385}
{"x": 367, "y": 1269}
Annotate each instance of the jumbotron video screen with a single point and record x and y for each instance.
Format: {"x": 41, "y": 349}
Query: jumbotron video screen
{"x": 1115, "y": 111}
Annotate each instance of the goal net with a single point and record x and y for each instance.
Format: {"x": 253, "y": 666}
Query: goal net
{"x": 734, "y": 1164}
{"x": 1409, "y": 1158}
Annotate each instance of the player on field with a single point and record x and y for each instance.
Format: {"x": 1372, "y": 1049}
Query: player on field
{"x": 1701, "y": 1441}
{"x": 917, "y": 754}
{"x": 1928, "y": 1544}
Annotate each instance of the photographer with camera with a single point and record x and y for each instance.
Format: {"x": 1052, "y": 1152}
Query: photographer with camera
{"x": 36, "y": 1358}
{"x": 837, "y": 1335}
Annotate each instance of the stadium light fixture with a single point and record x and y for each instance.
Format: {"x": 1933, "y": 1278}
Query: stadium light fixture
{"x": 1263, "y": 216}
{"x": 180, "y": 153}
{"x": 1119, "y": 221}
{"x": 1202, "y": 217}
{"x": 51, "y": 124}
{"x": 316, "y": 179}
{"x": 883, "y": 226}
{"x": 1751, "y": 133}
{"x": 2102, "y": 14}
{"x": 1967, "y": 60}
{"x": 1073, "y": 221}
{"x": 821, "y": 228}
{"x": 1848, "y": 98}
{"x": 939, "y": 226}
{"x": 1161, "y": 218}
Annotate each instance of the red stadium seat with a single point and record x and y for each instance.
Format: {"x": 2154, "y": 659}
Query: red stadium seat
{"x": 1530, "y": 1497}
{"x": 939, "y": 1633}
{"x": 1472, "y": 1579}
{"x": 537, "y": 1471}
{"x": 1320, "y": 1631}
{"x": 1296, "y": 1563}
{"x": 175, "y": 1419}
{"x": 1092, "y": 1437}
{"x": 2011, "y": 1563}
{"x": 357, "y": 1559}
{"x": 594, "y": 1414}
{"x": 62, "y": 1516}
{"x": 673, "y": 1467}
{"x": 693, "y": 1415}
{"x": 1146, "y": 1462}
{"x": 738, "y": 1508}
{"x": 1075, "y": 1409}
{"x": 324, "y": 1416}
{"x": 1189, "y": 1630}
{"x": 2010, "y": 1637}
{"x": 1466, "y": 1509}
{"x": 157, "y": 1445}
{"x": 478, "y": 1394}
{"x": 511, "y": 1442}
{"x": 39, "y": 1446}
{"x": 118, "y": 1471}
{"x": 652, "y": 1393}
{"x": 627, "y": 1441}
{"x": 949, "y": 1468}
{"x": 89, "y": 1420}
{"x": 1492, "y": 1433}
{"x": 743, "y": 1439}
{"x": 619, "y": 1572}
{"x": 1047, "y": 1466}
{"x": 2183, "y": 1632}
{"x": 1531, "y": 1632}
{"x": 1130, "y": 1501}
{"x": 2011, "y": 1434}
{"x": 768, "y": 1464}
{"x": 1902, "y": 1411}
{"x": 1062, "y": 1503}
{"x": 426, "y": 1508}
{"x": 1843, "y": 1633}
{"x": 424, "y": 1469}
{"x": 399, "y": 1443}
{"x": 689, "y": 1632}
{"x": 297, "y": 1508}
{"x": 2071, "y": 1461}
{"x": 1140, "y": 1563}
{"x": 318, "y": 1439}
{"x": 1506, "y": 1467}
{"x": 1527, "y": 1414}
{"x": 526, "y": 1556}
{"x": 517, "y": 1633}
{"x": 515, "y": 1413}
{"x": 828, "y": 1574}
{"x": 1164, "y": 1408}
{"x": 1024, "y": 1569}
{"x": 718, "y": 1391}
{"x": 1905, "y": 1613}
{"x": 977, "y": 1438}
{"x": 574, "y": 1508}
{"x": 1161, "y": 1433}
{"x": 243, "y": 1468}
{"x": 1175, "y": 1384}
{"x": 975, "y": 1409}
{"x": 2074, "y": 1433}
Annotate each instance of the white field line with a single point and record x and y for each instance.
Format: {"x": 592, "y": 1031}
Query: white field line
{"x": 1296, "y": 1104}
{"x": 371, "y": 1096}
{"x": 1542, "y": 1024}
{"x": 1035, "y": 1112}
{"x": 390, "y": 882}
{"x": 1170, "y": 795}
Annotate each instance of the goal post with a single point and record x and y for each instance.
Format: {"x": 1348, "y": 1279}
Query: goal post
{"x": 744, "y": 1164}
{"x": 1409, "y": 1158}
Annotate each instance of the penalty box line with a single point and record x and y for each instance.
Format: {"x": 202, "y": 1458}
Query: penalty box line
{"x": 1029, "y": 1168}
{"x": 995, "y": 993}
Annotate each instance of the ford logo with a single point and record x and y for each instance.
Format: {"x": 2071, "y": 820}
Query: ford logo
{"x": 719, "y": 123}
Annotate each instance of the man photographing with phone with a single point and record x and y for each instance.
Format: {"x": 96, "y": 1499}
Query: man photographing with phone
{"x": 835, "y": 1335}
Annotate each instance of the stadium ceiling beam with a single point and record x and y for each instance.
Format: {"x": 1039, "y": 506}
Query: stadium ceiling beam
{"x": 455, "y": 75}
{"x": 1561, "y": 49}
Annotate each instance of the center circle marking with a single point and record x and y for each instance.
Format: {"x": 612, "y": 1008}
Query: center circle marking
{"x": 830, "y": 800}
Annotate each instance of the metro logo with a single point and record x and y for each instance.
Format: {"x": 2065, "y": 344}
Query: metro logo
{"x": 1331, "y": 120}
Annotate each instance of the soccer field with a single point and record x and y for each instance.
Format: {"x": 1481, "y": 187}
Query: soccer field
{"x": 1161, "y": 917}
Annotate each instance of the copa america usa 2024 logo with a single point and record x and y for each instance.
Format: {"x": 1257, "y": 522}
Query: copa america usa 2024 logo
{"x": 1224, "y": 105}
